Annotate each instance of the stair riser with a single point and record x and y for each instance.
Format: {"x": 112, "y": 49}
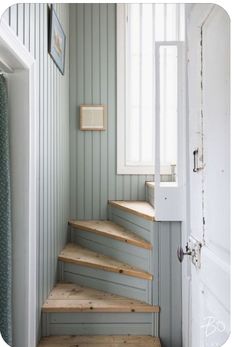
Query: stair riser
{"x": 121, "y": 251}
{"x": 138, "y": 225}
{"x": 98, "y": 323}
{"x": 150, "y": 195}
{"x": 103, "y": 280}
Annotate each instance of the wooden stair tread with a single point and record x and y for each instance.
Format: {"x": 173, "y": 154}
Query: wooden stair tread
{"x": 76, "y": 254}
{"x": 109, "y": 229}
{"x": 139, "y": 208}
{"x": 100, "y": 341}
{"x": 70, "y": 297}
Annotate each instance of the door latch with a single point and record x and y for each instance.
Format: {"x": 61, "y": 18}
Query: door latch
{"x": 196, "y": 160}
{"x": 193, "y": 249}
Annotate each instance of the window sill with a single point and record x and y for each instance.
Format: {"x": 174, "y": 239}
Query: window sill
{"x": 135, "y": 170}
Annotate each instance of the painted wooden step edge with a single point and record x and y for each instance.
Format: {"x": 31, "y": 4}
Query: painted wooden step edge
{"x": 109, "y": 229}
{"x": 139, "y": 208}
{"x": 100, "y": 341}
{"x": 76, "y": 254}
{"x": 70, "y": 297}
{"x": 150, "y": 193}
{"x": 150, "y": 184}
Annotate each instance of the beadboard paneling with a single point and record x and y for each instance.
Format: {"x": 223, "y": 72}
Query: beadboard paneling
{"x": 124, "y": 252}
{"x": 93, "y": 80}
{"x": 119, "y": 284}
{"x": 97, "y": 324}
{"x": 169, "y": 283}
{"x": 30, "y": 22}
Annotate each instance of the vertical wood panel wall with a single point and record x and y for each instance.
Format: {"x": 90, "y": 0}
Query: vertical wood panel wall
{"x": 93, "y": 81}
{"x": 30, "y": 22}
{"x": 169, "y": 283}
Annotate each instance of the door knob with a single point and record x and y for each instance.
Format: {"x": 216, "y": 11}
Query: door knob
{"x": 181, "y": 253}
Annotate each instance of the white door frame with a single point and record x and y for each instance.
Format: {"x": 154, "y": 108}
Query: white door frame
{"x": 16, "y": 55}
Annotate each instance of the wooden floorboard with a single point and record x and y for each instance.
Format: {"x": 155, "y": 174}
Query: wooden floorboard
{"x": 100, "y": 341}
{"x": 70, "y": 297}
{"x": 109, "y": 229}
{"x": 139, "y": 208}
{"x": 76, "y": 254}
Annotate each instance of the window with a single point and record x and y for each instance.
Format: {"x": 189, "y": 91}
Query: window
{"x": 139, "y": 26}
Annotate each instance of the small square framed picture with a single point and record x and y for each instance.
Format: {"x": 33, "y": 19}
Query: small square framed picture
{"x": 92, "y": 117}
{"x": 57, "y": 41}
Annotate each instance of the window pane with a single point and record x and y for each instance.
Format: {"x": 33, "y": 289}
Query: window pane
{"x": 169, "y": 22}
{"x": 133, "y": 86}
{"x": 147, "y": 133}
{"x": 147, "y": 78}
{"x": 171, "y": 32}
{"x": 181, "y": 22}
{"x": 134, "y": 21}
{"x": 132, "y": 137}
{"x": 134, "y": 93}
{"x": 160, "y": 22}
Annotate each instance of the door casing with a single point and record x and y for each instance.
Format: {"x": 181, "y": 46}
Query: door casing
{"x": 23, "y": 119}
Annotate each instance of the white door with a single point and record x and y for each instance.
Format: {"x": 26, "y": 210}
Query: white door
{"x": 209, "y": 155}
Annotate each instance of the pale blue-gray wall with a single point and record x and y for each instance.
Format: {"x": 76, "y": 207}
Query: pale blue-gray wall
{"x": 30, "y": 24}
{"x": 93, "y": 81}
{"x": 90, "y": 162}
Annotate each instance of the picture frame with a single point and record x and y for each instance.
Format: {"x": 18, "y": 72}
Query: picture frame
{"x": 93, "y": 117}
{"x": 56, "y": 41}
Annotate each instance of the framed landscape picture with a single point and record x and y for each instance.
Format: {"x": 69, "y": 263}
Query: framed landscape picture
{"x": 57, "y": 41}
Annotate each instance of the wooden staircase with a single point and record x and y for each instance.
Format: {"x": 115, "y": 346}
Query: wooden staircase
{"x": 106, "y": 294}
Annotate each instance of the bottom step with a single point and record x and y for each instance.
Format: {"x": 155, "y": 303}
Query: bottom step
{"x": 100, "y": 341}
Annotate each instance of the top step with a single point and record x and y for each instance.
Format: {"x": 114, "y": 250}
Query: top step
{"x": 109, "y": 229}
{"x": 139, "y": 208}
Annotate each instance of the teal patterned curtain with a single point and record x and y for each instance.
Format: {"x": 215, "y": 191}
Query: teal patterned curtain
{"x": 5, "y": 220}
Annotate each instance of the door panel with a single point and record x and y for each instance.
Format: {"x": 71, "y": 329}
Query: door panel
{"x": 216, "y": 128}
{"x": 210, "y": 223}
{"x": 215, "y": 273}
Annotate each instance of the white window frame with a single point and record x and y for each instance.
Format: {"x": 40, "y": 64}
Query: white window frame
{"x": 122, "y": 168}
